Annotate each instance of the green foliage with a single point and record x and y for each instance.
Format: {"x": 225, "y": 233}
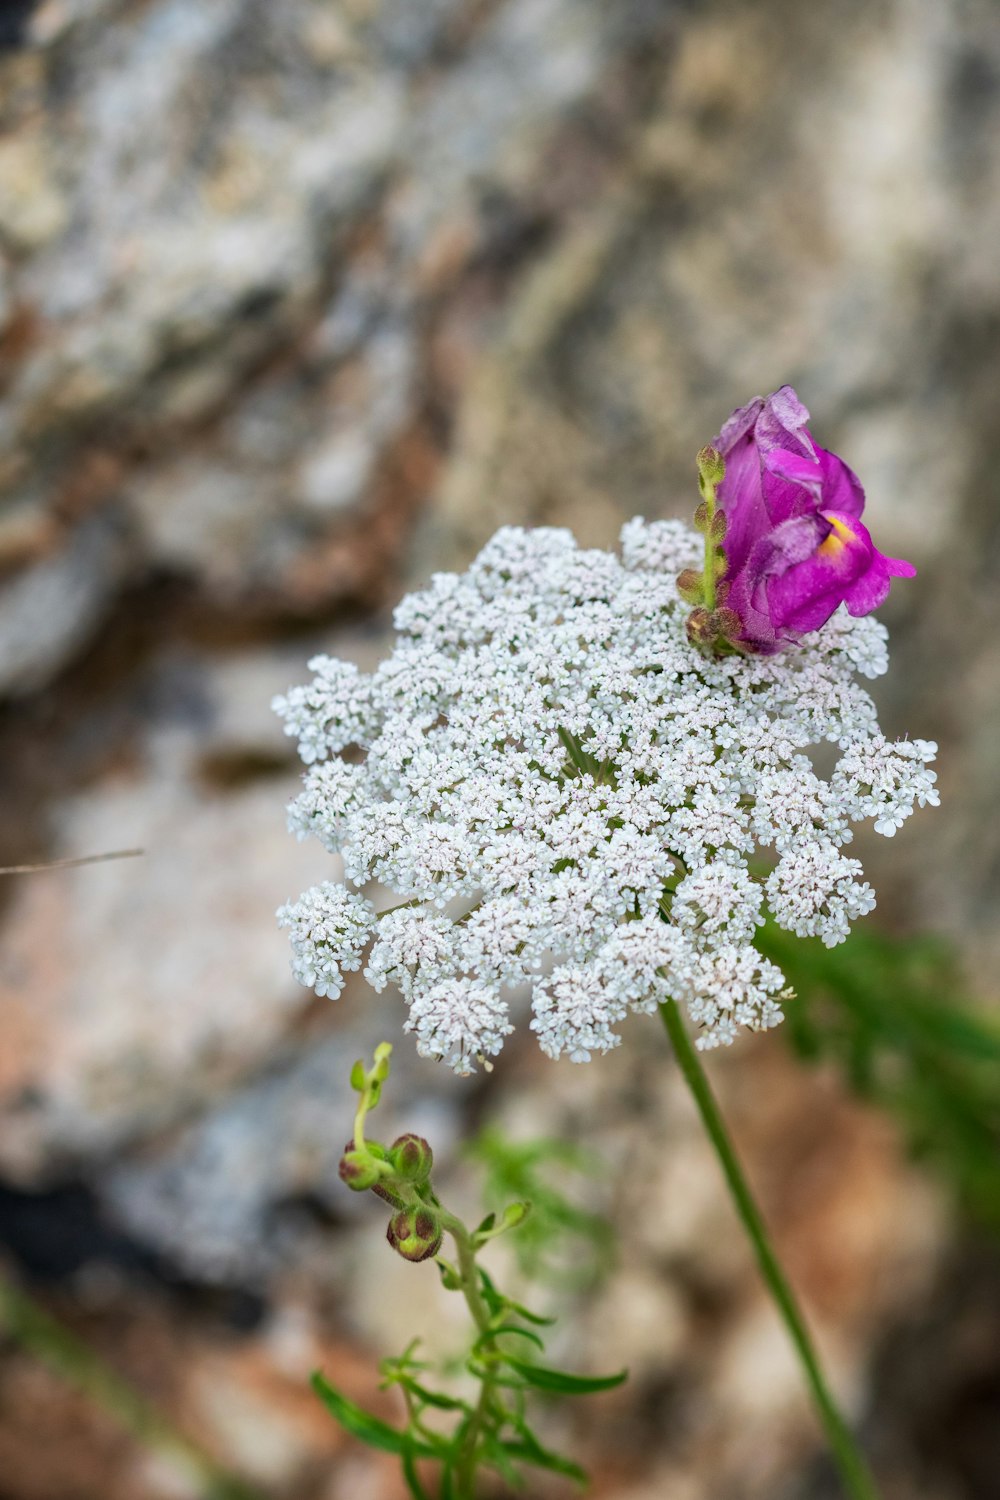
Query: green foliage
{"x": 561, "y": 1242}
{"x": 892, "y": 1015}
{"x": 460, "y": 1437}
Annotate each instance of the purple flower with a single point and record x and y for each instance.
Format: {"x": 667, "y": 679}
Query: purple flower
{"x": 794, "y": 545}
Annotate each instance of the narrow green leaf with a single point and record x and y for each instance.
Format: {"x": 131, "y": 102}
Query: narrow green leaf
{"x": 495, "y": 1300}
{"x": 436, "y": 1398}
{"x": 529, "y": 1316}
{"x": 496, "y": 1455}
{"x": 450, "y": 1278}
{"x": 532, "y": 1452}
{"x": 504, "y": 1329}
{"x": 486, "y": 1225}
{"x": 544, "y": 1379}
{"x": 367, "y": 1428}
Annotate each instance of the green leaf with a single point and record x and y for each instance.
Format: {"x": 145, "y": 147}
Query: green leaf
{"x": 544, "y": 1379}
{"x": 530, "y": 1451}
{"x": 435, "y": 1398}
{"x": 504, "y": 1329}
{"x": 359, "y": 1077}
{"x": 368, "y": 1429}
{"x": 529, "y": 1316}
{"x": 495, "y": 1300}
{"x": 496, "y": 1455}
{"x": 513, "y": 1215}
{"x": 450, "y": 1278}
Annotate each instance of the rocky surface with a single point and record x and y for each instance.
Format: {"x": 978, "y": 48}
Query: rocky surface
{"x": 298, "y": 303}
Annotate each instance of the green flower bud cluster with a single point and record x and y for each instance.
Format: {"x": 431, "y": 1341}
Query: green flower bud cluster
{"x": 399, "y": 1174}
{"x": 710, "y": 625}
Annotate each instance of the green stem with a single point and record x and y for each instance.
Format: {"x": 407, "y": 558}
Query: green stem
{"x": 854, "y": 1472}
{"x": 465, "y": 1468}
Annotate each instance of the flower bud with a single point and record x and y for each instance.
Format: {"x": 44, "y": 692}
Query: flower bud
{"x": 358, "y": 1170}
{"x": 411, "y": 1158}
{"x": 719, "y": 526}
{"x": 711, "y": 470}
{"x": 691, "y": 585}
{"x": 415, "y": 1233}
{"x": 714, "y": 629}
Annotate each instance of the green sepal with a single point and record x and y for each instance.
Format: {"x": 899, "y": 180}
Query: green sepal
{"x": 544, "y": 1379}
{"x": 359, "y": 1077}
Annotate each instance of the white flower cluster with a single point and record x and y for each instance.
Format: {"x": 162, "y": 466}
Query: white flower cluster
{"x": 567, "y": 795}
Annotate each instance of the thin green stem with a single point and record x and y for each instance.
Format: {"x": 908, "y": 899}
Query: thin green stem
{"x": 465, "y": 1468}
{"x": 854, "y": 1472}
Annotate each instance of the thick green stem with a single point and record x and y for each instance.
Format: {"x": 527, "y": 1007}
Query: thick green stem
{"x": 854, "y": 1472}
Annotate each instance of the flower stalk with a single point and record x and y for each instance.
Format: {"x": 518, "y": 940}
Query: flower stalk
{"x": 490, "y": 1432}
{"x": 854, "y": 1472}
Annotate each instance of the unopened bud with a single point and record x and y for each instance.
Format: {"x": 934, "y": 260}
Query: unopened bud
{"x": 727, "y": 623}
{"x": 699, "y": 626}
{"x": 711, "y": 470}
{"x": 415, "y": 1233}
{"x": 716, "y": 630}
{"x": 358, "y": 1170}
{"x": 691, "y": 585}
{"x": 411, "y": 1158}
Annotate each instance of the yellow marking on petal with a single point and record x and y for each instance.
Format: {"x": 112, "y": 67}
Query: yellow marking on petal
{"x": 838, "y": 539}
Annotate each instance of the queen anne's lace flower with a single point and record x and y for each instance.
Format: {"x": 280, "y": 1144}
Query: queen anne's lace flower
{"x": 566, "y": 794}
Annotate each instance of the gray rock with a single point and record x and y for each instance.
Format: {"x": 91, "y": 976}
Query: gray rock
{"x": 226, "y": 307}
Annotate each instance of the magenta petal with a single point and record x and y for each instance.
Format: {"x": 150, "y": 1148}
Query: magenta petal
{"x": 792, "y": 485}
{"x": 810, "y": 613}
{"x": 783, "y": 423}
{"x": 842, "y": 489}
{"x": 798, "y": 594}
{"x": 871, "y": 590}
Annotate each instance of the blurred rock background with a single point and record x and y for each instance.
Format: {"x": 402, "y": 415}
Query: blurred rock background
{"x": 298, "y": 302}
